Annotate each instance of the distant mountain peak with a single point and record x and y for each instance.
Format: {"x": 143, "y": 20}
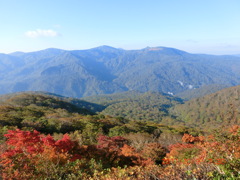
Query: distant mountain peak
{"x": 164, "y": 50}
{"x": 154, "y": 48}
{"x": 104, "y": 47}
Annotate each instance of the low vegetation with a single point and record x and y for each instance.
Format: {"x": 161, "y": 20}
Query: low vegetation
{"x": 45, "y": 137}
{"x": 31, "y": 155}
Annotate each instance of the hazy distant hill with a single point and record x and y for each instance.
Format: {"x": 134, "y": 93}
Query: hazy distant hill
{"x": 106, "y": 70}
{"x": 213, "y": 110}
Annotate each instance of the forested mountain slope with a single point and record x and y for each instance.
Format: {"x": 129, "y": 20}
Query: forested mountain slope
{"x": 52, "y": 100}
{"x": 149, "y": 106}
{"x": 213, "y": 110}
{"x": 107, "y": 70}
{"x": 50, "y": 113}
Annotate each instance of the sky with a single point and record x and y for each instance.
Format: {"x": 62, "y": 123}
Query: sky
{"x": 195, "y": 26}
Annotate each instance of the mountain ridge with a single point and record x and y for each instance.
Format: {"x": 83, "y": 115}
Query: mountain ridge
{"x": 107, "y": 70}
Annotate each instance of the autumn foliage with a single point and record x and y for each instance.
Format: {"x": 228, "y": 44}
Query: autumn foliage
{"x": 31, "y": 155}
{"x": 27, "y": 150}
{"x": 221, "y": 152}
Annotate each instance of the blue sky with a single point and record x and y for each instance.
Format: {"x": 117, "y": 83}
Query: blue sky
{"x": 197, "y": 26}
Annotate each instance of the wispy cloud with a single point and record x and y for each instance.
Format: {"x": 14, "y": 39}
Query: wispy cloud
{"x": 41, "y": 33}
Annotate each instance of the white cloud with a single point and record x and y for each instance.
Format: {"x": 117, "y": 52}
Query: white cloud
{"x": 41, "y": 33}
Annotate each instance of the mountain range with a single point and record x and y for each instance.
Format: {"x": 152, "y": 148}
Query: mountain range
{"x": 108, "y": 70}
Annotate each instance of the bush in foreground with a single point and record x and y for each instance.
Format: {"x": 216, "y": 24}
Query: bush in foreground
{"x": 31, "y": 155}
